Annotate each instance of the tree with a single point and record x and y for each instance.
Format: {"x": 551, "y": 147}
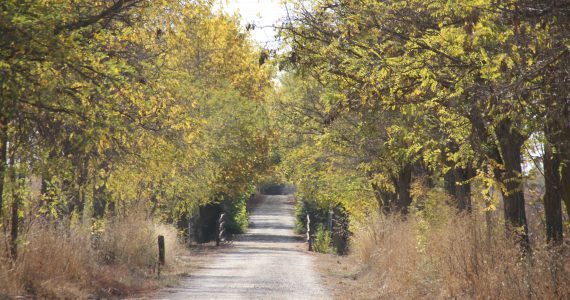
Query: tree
{"x": 464, "y": 71}
{"x": 158, "y": 104}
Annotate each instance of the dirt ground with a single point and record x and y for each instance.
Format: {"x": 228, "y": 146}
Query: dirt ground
{"x": 270, "y": 261}
{"x": 196, "y": 257}
{"x": 346, "y": 278}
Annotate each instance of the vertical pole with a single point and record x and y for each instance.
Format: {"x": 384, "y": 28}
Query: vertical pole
{"x": 3, "y": 158}
{"x": 330, "y": 221}
{"x": 309, "y": 233}
{"x": 218, "y": 232}
{"x": 190, "y": 230}
{"x": 221, "y": 229}
{"x": 161, "y": 250}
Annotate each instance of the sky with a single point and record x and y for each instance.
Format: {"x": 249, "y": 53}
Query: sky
{"x": 262, "y": 13}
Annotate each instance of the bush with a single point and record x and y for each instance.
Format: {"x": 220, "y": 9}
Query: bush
{"x": 236, "y": 213}
{"x": 339, "y": 236}
{"x": 303, "y": 208}
{"x": 323, "y": 240}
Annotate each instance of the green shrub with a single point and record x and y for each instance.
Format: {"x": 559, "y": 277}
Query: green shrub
{"x": 303, "y": 208}
{"x": 236, "y": 213}
{"x": 323, "y": 240}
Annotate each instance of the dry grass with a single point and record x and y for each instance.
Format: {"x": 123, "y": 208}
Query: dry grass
{"x": 64, "y": 262}
{"x": 458, "y": 257}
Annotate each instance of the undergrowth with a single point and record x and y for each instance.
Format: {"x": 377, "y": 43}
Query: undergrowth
{"x": 236, "y": 210}
{"x": 117, "y": 259}
{"x": 457, "y": 256}
{"x": 323, "y": 240}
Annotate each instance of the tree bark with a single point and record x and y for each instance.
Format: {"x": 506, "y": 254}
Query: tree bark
{"x": 449, "y": 182}
{"x": 403, "y": 188}
{"x": 555, "y": 162}
{"x": 562, "y": 142}
{"x": 510, "y": 143}
{"x": 15, "y": 222}
{"x": 99, "y": 201}
{"x": 456, "y": 184}
{"x": 463, "y": 188}
{"x": 552, "y": 196}
{"x": 3, "y": 159}
{"x": 565, "y": 184}
{"x": 100, "y": 193}
{"x": 386, "y": 200}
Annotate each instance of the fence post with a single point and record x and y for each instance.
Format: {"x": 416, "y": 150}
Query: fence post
{"x": 161, "y": 250}
{"x": 309, "y": 241}
{"x": 330, "y": 221}
{"x": 221, "y": 229}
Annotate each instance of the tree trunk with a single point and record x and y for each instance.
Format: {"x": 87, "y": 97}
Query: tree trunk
{"x": 99, "y": 201}
{"x": 183, "y": 224}
{"x": 82, "y": 168}
{"x": 463, "y": 188}
{"x": 565, "y": 184}
{"x": 386, "y": 200}
{"x": 555, "y": 162}
{"x": 562, "y": 141}
{"x": 552, "y": 196}
{"x": 403, "y": 188}
{"x": 422, "y": 171}
{"x": 510, "y": 143}
{"x": 15, "y": 222}
{"x": 456, "y": 184}
{"x": 3, "y": 159}
{"x": 100, "y": 194}
{"x": 449, "y": 182}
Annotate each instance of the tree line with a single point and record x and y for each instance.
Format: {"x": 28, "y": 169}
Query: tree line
{"x": 458, "y": 93}
{"x": 109, "y": 105}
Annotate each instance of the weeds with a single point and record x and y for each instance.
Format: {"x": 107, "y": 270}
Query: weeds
{"x": 458, "y": 257}
{"x": 59, "y": 261}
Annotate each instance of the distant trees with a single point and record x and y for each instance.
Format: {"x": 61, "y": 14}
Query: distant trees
{"x": 450, "y": 89}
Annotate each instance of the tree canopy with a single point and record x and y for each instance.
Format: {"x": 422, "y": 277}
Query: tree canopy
{"x": 445, "y": 90}
{"x": 108, "y": 105}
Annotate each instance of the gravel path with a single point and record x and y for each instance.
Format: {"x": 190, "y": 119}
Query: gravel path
{"x": 269, "y": 262}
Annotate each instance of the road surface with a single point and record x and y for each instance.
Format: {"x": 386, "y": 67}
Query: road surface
{"x": 269, "y": 262}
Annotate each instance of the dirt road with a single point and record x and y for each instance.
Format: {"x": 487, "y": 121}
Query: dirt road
{"x": 269, "y": 262}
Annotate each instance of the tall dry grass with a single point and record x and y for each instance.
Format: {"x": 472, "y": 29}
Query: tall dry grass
{"x": 76, "y": 262}
{"x": 460, "y": 257}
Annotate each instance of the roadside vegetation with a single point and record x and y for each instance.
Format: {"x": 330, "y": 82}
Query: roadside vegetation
{"x": 441, "y": 127}
{"x": 118, "y": 120}
{"x": 73, "y": 262}
{"x": 429, "y": 139}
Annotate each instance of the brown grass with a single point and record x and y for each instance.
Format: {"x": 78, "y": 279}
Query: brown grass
{"x": 457, "y": 256}
{"x": 63, "y": 262}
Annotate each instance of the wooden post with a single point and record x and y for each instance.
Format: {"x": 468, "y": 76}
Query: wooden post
{"x": 221, "y": 228}
{"x": 309, "y": 241}
{"x": 330, "y": 221}
{"x": 161, "y": 250}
